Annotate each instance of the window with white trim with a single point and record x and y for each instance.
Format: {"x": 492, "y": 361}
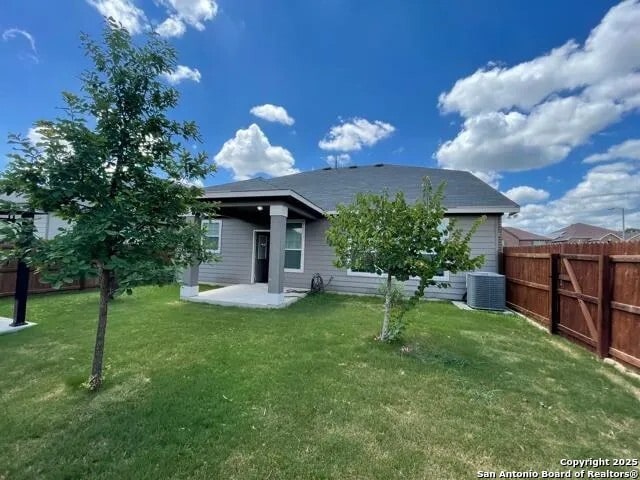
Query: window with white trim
{"x": 212, "y": 235}
{"x": 294, "y": 246}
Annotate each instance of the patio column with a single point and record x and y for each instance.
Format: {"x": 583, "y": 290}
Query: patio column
{"x": 278, "y": 234}
{"x": 189, "y": 287}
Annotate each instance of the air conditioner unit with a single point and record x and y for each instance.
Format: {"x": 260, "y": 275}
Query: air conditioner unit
{"x": 486, "y": 291}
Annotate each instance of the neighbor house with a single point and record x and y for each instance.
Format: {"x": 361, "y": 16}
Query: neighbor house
{"x": 516, "y": 237}
{"x": 584, "y": 233}
{"x": 47, "y": 225}
{"x": 274, "y": 230}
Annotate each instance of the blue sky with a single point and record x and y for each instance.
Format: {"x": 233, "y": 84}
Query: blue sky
{"x": 519, "y": 93}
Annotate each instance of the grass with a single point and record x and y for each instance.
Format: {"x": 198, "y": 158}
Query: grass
{"x": 197, "y": 391}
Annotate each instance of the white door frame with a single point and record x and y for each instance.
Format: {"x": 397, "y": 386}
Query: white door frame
{"x": 253, "y": 253}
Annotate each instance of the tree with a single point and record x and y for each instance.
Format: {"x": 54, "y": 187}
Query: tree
{"x": 399, "y": 240}
{"x": 115, "y": 168}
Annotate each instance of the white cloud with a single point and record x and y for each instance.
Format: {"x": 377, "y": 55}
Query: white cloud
{"x": 123, "y": 11}
{"x": 535, "y": 113}
{"x": 610, "y": 51}
{"x": 524, "y": 194}
{"x": 628, "y": 150}
{"x": 186, "y": 12}
{"x": 181, "y": 73}
{"x": 250, "y": 153}
{"x": 180, "y": 13}
{"x": 272, "y": 113}
{"x": 590, "y": 201}
{"x": 13, "y": 32}
{"x": 355, "y": 134}
{"x": 34, "y": 136}
{"x": 490, "y": 177}
{"x": 171, "y": 27}
{"x": 340, "y": 159}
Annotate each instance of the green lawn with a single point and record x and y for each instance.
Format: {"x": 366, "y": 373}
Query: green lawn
{"x": 196, "y": 391}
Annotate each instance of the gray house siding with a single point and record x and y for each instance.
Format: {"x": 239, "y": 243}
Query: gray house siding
{"x": 237, "y": 258}
{"x": 48, "y": 225}
{"x": 236, "y": 250}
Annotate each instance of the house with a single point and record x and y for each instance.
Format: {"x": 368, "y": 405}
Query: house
{"x": 47, "y": 225}
{"x": 515, "y": 237}
{"x": 584, "y": 233}
{"x": 273, "y": 231}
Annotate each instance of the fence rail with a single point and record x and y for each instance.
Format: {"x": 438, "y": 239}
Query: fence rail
{"x": 589, "y": 293}
{"x": 8, "y": 274}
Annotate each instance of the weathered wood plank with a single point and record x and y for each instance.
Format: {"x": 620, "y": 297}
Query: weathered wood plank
{"x": 583, "y": 306}
{"x": 578, "y": 296}
{"x": 579, "y": 256}
{"x": 625, "y": 307}
{"x": 526, "y": 283}
{"x": 624, "y": 258}
{"x": 576, "y": 335}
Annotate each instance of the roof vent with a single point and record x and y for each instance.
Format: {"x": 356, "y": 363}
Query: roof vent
{"x": 353, "y": 166}
{"x": 379, "y": 165}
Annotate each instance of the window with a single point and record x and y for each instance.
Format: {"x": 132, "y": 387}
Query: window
{"x": 212, "y": 228}
{"x": 294, "y": 247}
{"x": 442, "y": 275}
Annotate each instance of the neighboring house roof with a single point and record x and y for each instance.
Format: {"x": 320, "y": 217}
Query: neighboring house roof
{"x": 634, "y": 238}
{"x": 524, "y": 235}
{"x": 581, "y": 231}
{"x": 327, "y": 188}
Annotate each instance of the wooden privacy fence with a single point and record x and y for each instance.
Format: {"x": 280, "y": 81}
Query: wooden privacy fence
{"x": 8, "y": 274}
{"x": 589, "y": 293}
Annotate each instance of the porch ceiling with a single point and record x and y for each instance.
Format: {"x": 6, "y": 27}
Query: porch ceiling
{"x": 256, "y": 210}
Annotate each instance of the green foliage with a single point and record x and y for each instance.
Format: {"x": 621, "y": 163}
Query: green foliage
{"x": 116, "y": 168}
{"x": 400, "y": 305}
{"x": 377, "y": 233}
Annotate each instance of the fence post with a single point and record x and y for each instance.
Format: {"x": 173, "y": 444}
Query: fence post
{"x": 553, "y": 292}
{"x": 604, "y": 306}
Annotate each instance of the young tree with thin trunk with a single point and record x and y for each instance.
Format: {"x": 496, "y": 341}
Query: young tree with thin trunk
{"x": 115, "y": 167}
{"x": 395, "y": 239}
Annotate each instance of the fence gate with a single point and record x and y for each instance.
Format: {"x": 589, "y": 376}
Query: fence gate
{"x": 577, "y": 306}
{"x": 589, "y": 293}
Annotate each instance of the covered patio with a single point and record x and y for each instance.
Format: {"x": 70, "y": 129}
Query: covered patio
{"x": 268, "y": 211}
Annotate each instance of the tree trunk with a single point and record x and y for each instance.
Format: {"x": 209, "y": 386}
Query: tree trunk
{"x": 387, "y": 310}
{"x": 95, "y": 381}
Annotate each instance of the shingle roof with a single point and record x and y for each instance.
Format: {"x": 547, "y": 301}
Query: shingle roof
{"x": 582, "y": 231}
{"x": 523, "y": 234}
{"x": 329, "y": 187}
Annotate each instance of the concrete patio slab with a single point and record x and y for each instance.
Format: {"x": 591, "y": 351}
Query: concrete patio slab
{"x": 248, "y": 296}
{"x": 6, "y": 328}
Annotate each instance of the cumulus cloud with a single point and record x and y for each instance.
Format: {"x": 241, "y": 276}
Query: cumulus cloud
{"x": 123, "y": 11}
{"x": 590, "y": 201}
{"x": 171, "y": 27}
{"x": 535, "y": 113}
{"x": 524, "y": 194}
{"x": 180, "y": 14}
{"x": 490, "y": 177}
{"x": 354, "y": 134}
{"x": 272, "y": 113}
{"x": 339, "y": 160}
{"x": 628, "y": 150}
{"x": 191, "y": 12}
{"x": 250, "y": 153}
{"x": 181, "y": 73}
